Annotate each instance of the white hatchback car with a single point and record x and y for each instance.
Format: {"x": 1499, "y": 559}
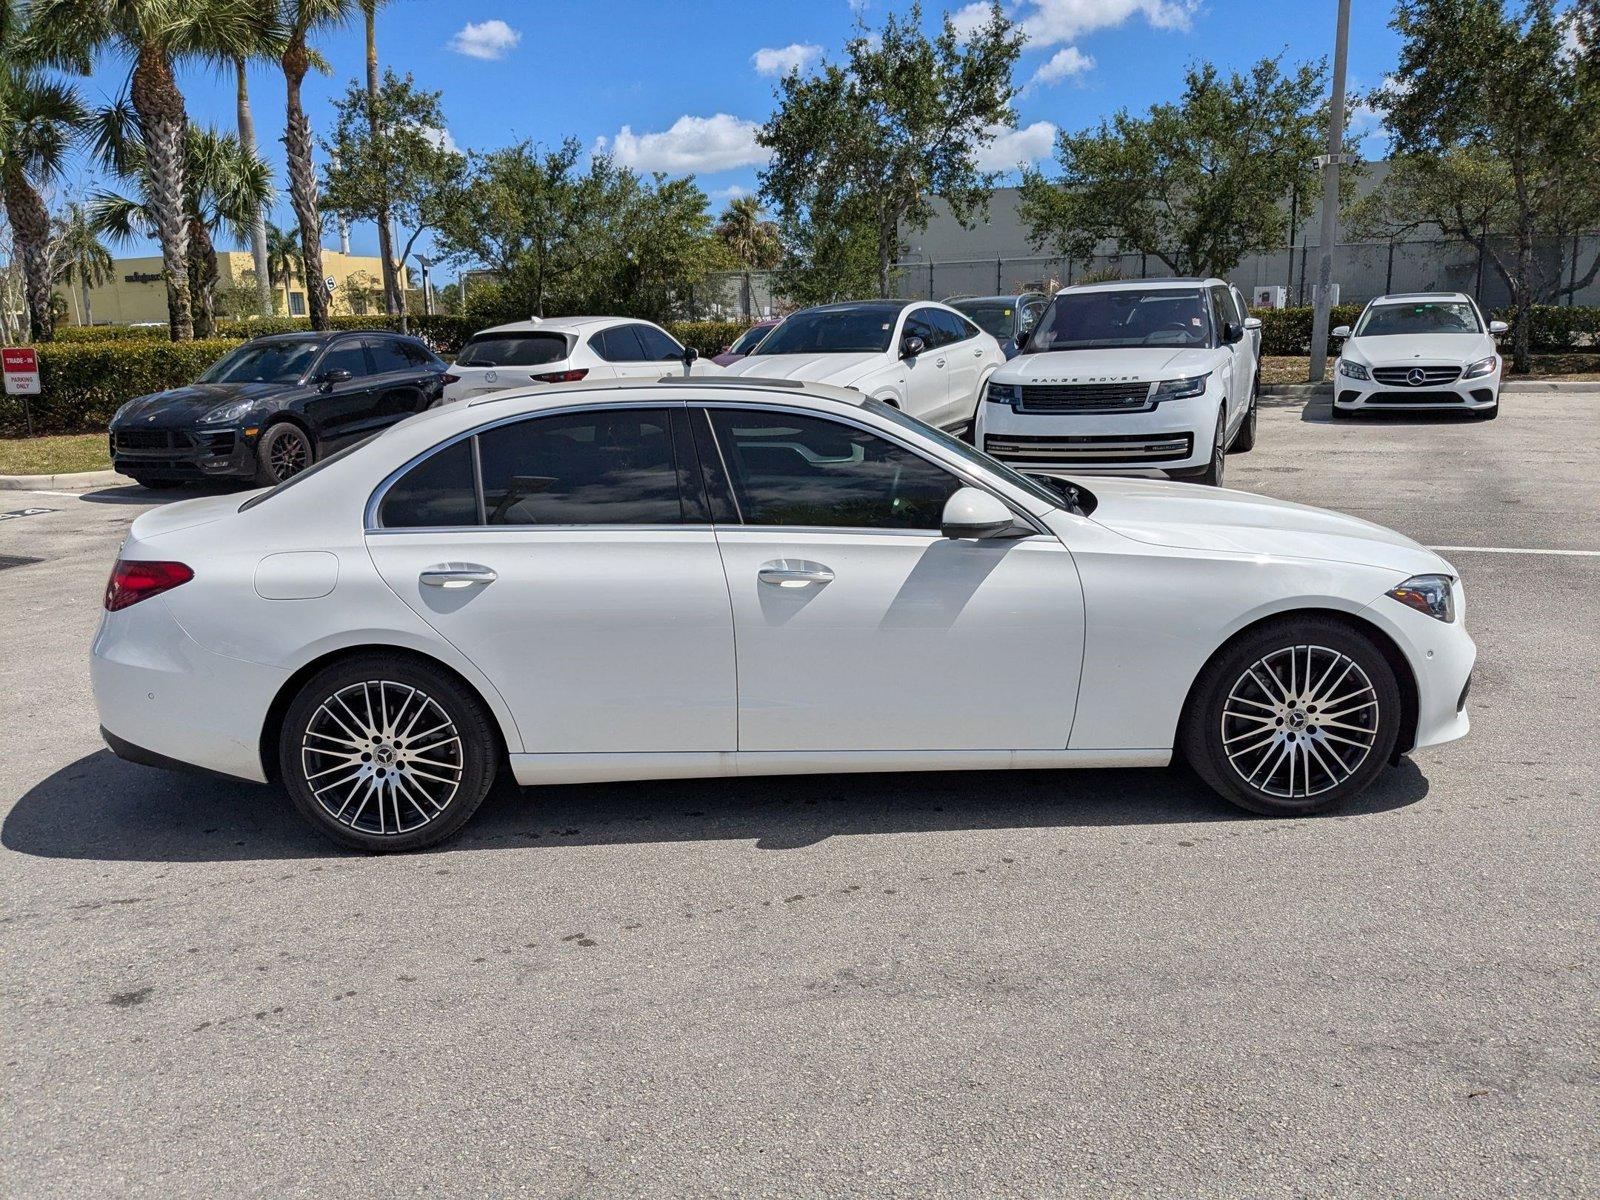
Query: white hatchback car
{"x": 1419, "y": 352}
{"x": 566, "y": 350}
{"x": 923, "y": 358}
{"x": 712, "y": 578}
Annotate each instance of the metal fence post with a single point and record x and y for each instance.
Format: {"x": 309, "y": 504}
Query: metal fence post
{"x": 930, "y": 279}
{"x": 1388, "y": 274}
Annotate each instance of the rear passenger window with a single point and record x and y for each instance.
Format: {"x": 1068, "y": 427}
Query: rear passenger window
{"x": 613, "y": 467}
{"x": 437, "y": 491}
{"x": 389, "y": 356}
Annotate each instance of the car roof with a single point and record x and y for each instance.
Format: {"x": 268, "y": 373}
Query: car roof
{"x": 1421, "y": 297}
{"x": 998, "y": 297}
{"x": 847, "y": 305}
{"x": 1118, "y": 285}
{"x": 574, "y": 325}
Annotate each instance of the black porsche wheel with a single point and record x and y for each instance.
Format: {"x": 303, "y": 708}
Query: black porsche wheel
{"x": 284, "y": 451}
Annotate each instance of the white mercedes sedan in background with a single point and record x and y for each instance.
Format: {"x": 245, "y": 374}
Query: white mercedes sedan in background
{"x": 699, "y": 578}
{"x": 1421, "y": 351}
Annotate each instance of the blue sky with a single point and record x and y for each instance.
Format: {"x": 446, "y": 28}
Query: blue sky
{"x": 681, "y": 87}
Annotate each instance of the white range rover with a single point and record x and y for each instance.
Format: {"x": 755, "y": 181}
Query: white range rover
{"x": 1419, "y": 351}
{"x": 1139, "y": 377}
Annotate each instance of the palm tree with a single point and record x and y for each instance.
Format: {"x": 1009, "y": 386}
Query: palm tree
{"x": 155, "y": 35}
{"x": 81, "y": 257}
{"x": 302, "y": 18}
{"x": 392, "y": 302}
{"x": 753, "y": 242}
{"x": 225, "y": 185}
{"x": 284, "y": 264}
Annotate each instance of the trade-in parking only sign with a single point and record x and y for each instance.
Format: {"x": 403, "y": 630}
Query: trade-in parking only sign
{"x": 21, "y": 370}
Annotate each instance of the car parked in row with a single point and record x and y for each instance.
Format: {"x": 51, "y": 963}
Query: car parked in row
{"x": 923, "y": 358}
{"x": 1007, "y": 319}
{"x": 745, "y": 342}
{"x": 565, "y": 350}
{"x": 274, "y": 406}
{"x": 711, "y": 577}
{"x": 1419, "y": 352}
{"x": 1146, "y": 376}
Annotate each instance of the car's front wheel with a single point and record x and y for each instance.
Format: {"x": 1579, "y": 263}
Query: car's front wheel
{"x": 383, "y": 754}
{"x": 1211, "y": 473}
{"x": 284, "y": 451}
{"x": 1295, "y": 717}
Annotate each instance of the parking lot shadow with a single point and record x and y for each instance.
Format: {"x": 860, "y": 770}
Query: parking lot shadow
{"x": 101, "y": 808}
{"x": 1318, "y": 410}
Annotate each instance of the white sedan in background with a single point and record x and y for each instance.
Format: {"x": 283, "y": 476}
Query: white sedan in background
{"x": 1419, "y": 352}
{"x": 923, "y": 358}
{"x": 567, "y": 350}
{"x": 698, "y": 578}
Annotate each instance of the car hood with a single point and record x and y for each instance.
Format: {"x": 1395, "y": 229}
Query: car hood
{"x": 182, "y": 405}
{"x": 1140, "y": 364}
{"x": 839, "y": 369}
{"x": 1192, "y": 517}
{"x": 1403, "y": 350}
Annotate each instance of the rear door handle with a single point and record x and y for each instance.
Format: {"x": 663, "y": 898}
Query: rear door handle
{"x": 793, "y": 573}
{"x": 457, "y": 575}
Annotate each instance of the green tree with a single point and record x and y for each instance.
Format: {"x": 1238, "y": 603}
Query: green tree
{"x": 1197, "y": 184}
{"x": 751, "y": 241}
{"x": 388, "y": 162}
{"x": 900, "y": 122}
{"x": 155, "y": 35}
{"x": 391, "y": 277}
{"x": 827, "y": 257}
{"x": 81, "y": 258}
{"x": 284, "y": 261}
{"x": 1497, "y": 126}
{"x": 40, "y": 118}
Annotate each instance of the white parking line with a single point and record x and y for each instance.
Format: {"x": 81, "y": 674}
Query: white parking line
{"x": 1516, "y": 550}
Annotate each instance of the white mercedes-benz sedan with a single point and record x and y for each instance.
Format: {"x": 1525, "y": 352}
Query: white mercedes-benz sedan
{"x": 1421, "y": 351}
{"x": 699, "y": 577}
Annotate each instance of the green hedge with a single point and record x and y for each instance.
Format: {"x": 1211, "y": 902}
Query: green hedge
{"x": 1287, "y": 331}
{"x": 708, "y": 337}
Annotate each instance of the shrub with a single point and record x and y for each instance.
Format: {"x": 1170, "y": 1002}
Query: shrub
{"x": 1287, "y": 331}
{"x": 111, "y": 333}
{"x": 708, "y": 337}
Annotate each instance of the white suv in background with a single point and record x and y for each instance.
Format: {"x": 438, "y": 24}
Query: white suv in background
{"x": 1419, "y": 351}
{"x": 565, "y": 350}
{"x": 1137, "y": 377}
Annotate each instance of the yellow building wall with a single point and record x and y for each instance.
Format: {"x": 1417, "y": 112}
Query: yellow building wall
{"x": 137, "y": 295}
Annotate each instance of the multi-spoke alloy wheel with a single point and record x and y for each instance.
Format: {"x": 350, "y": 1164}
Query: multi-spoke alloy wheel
{"x": 1300, "y": 721}
{"x": 284, "y": 451}
{"x": 386, "y": 754}
{"x": 1294, "y": 717}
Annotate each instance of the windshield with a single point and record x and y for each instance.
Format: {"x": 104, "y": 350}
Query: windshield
{"x": 749, "y": 339}
{"x": 832, "y": 331}
{"x": 995, "y": 317}
{"x": 517, "y": 348}
{"x": 1448, "y": 316}
{"x": 1122, "y": 318}
{"x": 263, "y": 362}
{"x": 966, "y": 453}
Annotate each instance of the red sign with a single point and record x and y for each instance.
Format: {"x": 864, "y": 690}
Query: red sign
{"x": 21, "y": 364}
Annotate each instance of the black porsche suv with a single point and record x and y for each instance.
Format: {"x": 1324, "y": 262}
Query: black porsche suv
{"x": 274, "y": 406}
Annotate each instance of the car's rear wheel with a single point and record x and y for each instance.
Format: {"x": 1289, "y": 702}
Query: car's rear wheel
{"x": 386, "y": 755}
{"x": 1296, "y": 717}
{"x": 284, "y": 451}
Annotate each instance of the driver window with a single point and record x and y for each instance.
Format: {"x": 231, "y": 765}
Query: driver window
{"x": 919, "y": 325}
{"x": 789, "y": 469}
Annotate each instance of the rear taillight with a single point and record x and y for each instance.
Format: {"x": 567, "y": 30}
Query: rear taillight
{"x": 448, "y": 378}
{"x": 560, "y": 376}
{"x": 132, "y": 582}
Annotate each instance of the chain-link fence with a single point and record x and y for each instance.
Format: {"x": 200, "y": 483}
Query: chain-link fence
{"x": 1361, "y": 269}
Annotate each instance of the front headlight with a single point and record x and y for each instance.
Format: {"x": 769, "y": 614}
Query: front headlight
{"x": 1428, "y": 594}
{"x": 1352, "y": 369}
{"x": 1484, "y": 366}
{"x": 227, "y": 412}
{"x": 1003, "y": 393}
{"x": 1181, "y": 389}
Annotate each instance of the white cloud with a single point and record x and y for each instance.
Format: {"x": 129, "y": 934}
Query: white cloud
{"x": 732, "y": 192}
{"x": 970, "y": 18}
{"x": 1051, "y": 22}
{"x": 1009, "y": 148}
{"x": 440, "y": 138}
{"x": 692, "y": 145}
{"x": 796, "y": 56}
{"x": 1066, "y": 63}
{"x": 489, "y": 39}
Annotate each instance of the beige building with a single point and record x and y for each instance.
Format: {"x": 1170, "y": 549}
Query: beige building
{"x": 136, "y": 294}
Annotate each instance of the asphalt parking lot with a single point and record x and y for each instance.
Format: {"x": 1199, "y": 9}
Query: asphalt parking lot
{"x": 1030, "y": 984}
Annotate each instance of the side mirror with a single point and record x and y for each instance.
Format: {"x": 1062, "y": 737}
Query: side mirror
{"x": 690, "y": 354}
{"x": 974, "y": 513}
{"x": 1339, "y": 331}
{"x": 1252, "y": 323}
{"x": 334, "y": 377}
{"x": 1022, "y": 338}
{"x": 1232, "y": 332}
{"x": 911, "y": 346}
{"x": 1499, "y": 327}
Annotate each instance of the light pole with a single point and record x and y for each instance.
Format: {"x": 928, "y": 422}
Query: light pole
{"x": 1330, "y": 163}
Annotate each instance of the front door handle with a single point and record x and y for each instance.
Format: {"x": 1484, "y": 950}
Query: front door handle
{"x": 457, "y": 575}
{"x": 939, "y": 363}
{"x": 794, "y": 573}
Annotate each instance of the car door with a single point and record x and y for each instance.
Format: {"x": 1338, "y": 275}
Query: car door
{"x": 1238, "y": 362}
{"x": 965, "y": 360}
{"x": 583, "y": 577}
{"x": 858, "y": 626}
{"x": 345, "y": 410}
{"x": 625, "y": 350}
{"x": 927, "y": 384}
{"x": 401, "y": 378}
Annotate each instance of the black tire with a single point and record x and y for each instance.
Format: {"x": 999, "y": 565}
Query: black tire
{"x": 1211, "y": 474}
{"x": 283, "y": 452}
{"x": 1220, "y": 734}
{"x": 1342, "y": 414}
{"x": 1245, "y": 440}
{"x": 430, "y": 789}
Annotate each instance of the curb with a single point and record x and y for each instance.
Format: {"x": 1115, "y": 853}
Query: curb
{"x": 1514, "y": 387}
{"x": 79, "y": 479}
